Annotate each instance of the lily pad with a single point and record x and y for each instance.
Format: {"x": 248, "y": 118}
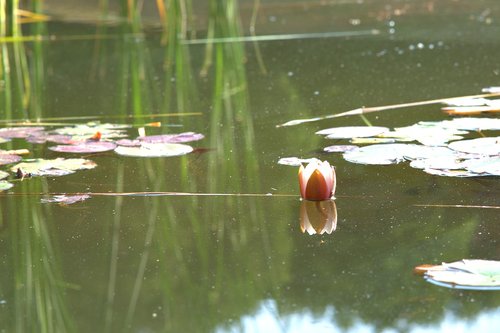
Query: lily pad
{"x": 452, "y": 173}
{"x": 3, "y": 174}
{"x": 488, "y": 166}
{"x": 466, "y": 101}
{"x": 491, "y": 90}
{"x": 128, "y": 143}
{"x": 65, "y": 199}
{"x": 18, "y": 132}
{"x": 469, "y": 124}
{"x": 172, "y": 138}
{"x": 348, "y": 132}
{"x": 55, "y": 167}
{"x": 365, "y": 141}
{"x": 4, "y": 185}
{"x": 43, "y": 137}
{"x": 340, "y": 148}
{"x": 429, "y": 134}
{"x": 85, "y": 131}
{"x": 85, "y": 147}
{"x": 413, "y": 151}
{"x": 295, "y": 161}
{"x": 380, "y": 154}
{"x": 485, "y": 146}
{"x": 465, "y": 274}
{"x": 155, "y": 150}
{"x": 9, "y": 158}
{"x": 438, "y": 162}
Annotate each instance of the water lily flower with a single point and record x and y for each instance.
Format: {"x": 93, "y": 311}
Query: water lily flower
{"x": 318, "y": 217}
{"x": 317, "y": 181}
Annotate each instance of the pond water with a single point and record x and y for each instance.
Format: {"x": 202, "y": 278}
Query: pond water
{"x": 226, "y": 253}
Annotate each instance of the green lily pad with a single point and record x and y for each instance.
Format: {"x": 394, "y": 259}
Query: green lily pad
{"x": 3, "y": 174}
{"x": 155, "y": 150}
{"x": 466, "y": 274}
{"x": 55, "y": 167}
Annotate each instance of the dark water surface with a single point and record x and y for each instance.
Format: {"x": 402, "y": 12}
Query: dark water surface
{"x": 220, "y": 263}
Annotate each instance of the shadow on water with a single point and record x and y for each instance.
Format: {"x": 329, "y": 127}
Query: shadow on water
{"x": 216, "y": 263}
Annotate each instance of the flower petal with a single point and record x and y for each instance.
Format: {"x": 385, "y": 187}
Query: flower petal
{"x": 317, "y": 187}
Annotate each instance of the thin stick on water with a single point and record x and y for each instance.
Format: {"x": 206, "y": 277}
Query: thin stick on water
{"x": 363, "y": 110}
{"x": 456, "y": 206}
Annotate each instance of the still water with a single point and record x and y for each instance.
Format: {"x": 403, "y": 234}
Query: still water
{"x": 218, "y": 262}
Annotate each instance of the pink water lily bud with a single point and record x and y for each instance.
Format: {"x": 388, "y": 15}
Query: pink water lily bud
{"x": 317, "y": 181}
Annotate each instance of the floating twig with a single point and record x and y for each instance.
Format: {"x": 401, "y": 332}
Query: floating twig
{"x": 363, "y": 110}
{"x": 456, "y": 206}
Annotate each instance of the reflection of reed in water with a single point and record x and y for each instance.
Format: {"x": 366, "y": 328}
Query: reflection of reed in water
{"x": 39, "y": 303}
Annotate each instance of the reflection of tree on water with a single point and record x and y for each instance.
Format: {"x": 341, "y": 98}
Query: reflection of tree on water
{"x": 369, "y": 277}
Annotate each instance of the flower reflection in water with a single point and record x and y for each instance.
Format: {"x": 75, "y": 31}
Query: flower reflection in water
{"x": 318, "y": 217}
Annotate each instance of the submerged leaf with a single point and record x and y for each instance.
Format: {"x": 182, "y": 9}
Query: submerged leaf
{"x": 155, "y": 150}
{"x": 85, "y": 147}
{"x": 55, "y": 167}
{"x": 65, "y": 199}
{"x": 466, "y": 274}
{"x": 4, "y": 185}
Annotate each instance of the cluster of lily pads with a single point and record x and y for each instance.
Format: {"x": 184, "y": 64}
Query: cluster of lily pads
{"x": 442, "y": 148}
{"x": 84, "y": 139}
